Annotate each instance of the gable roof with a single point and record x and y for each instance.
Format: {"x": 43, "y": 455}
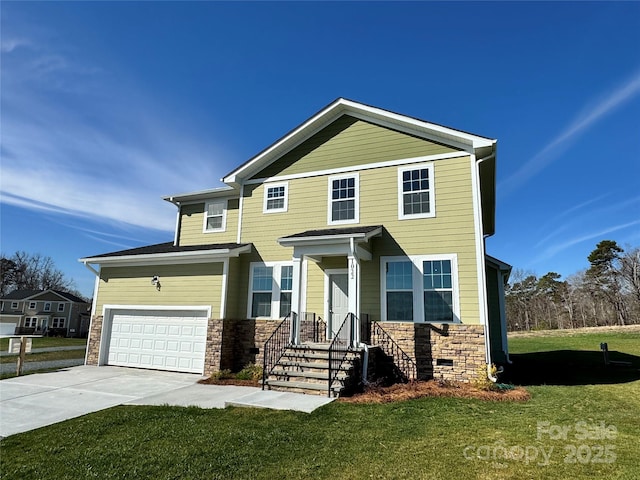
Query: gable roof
{"x": 26, "y": 294}
{"x": 481, "y": 146}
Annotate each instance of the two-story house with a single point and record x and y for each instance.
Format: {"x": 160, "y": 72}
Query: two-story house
{"x": 360, "y": 226}
{"x": 44, "y": 312}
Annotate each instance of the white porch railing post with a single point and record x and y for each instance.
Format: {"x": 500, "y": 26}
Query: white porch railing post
{"x": 354, "y": 290}
{"x": 295, "y": 300}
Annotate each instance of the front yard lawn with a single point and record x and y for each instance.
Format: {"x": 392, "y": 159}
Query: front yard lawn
{"x": 45, "y": 342}
{"x": 578, "y": 431}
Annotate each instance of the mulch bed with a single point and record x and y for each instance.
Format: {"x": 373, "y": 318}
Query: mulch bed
{"x": 230, "y": 381}
{"x": 433, "y": 388}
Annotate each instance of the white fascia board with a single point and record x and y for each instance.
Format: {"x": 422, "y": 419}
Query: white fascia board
{"x": 449, "y": 136}
{"x": 202, "y": 195}
{"x": 168, "y": 258}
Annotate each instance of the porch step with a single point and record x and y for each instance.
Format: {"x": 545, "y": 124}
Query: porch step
{"x": 305, "y": 368}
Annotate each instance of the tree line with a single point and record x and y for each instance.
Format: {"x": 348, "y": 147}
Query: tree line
{"x": 32, "y": 271}
{"x": 606, "y": 293}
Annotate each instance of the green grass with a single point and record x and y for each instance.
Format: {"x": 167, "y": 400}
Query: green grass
{"x": 45, "y": 342}
{"x": 45, "y": 356}
{"x": 425, "y": 438}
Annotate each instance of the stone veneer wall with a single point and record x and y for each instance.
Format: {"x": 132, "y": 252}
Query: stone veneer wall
{"x": 449, "y": 351}
{"x": 93, "y": 343}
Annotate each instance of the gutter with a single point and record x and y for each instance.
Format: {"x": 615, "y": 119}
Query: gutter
{"x": 487, "y": 343}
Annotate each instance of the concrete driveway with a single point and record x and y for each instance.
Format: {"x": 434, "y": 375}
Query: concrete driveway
{"x": 34, "y": 401}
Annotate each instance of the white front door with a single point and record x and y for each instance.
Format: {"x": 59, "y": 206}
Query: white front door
{"x": 338, "y": 301}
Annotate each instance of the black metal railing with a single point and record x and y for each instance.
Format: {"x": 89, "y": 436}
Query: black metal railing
{"x": 312, "y": 328}
{"x": 276, "y": 345}
{"x": 339, "y": 348}
{"x": 407, "y": 368}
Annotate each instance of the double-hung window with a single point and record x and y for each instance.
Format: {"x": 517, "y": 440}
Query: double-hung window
{"x": 275, "y": 198}
{"x": 271, "y": 287}
{"x": 416, "y": 197}
{"x": 61, "y": 307}
{"x": 420, "y": 288}
{"x": 47, "y": 306}
{"x": 215, "y": 216}
{"x": 32, "y": 305}
{"x": 30, "y": 322}
{"x": 14, "y": 305}
{"x": 344, "y": 203}
{"x": 58, "y": 322}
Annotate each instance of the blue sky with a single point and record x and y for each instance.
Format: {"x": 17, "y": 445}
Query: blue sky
{"x": 108, "y": 106}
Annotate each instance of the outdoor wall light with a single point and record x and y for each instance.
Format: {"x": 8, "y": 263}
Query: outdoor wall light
{"x": 155, "y": 280}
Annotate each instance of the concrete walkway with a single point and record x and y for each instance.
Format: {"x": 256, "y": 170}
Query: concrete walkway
{"x": 34, "y": 401}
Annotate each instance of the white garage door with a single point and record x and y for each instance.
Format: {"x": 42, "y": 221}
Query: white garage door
{"x": 162, "y": 340}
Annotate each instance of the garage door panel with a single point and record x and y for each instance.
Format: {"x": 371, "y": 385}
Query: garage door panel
{"x": 165, "y": 340}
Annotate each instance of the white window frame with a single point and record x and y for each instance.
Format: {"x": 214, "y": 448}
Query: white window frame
{"x": 275, "y": 287}
{"x": 47, "y": 306}
{"x": 418, "y": 286}
{"x": 61, "y": 307}
{"x": 58, "y": 322}
{"x": 34, "y": 307}
{"x": 284, "y": 208}
{"x": 14, "y": 305}
{"x": 356, "y": 206}
{"x": 223, "y": 225}
{"x": 431, "y": 190}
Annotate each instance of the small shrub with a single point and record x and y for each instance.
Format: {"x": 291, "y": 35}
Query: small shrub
{"x": 222, "y": 375}
{"x": 251, "y": 371}
{"x": 482, "y": 380}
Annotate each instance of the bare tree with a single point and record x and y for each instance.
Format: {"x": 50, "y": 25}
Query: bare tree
{"x": 32, "y": 272}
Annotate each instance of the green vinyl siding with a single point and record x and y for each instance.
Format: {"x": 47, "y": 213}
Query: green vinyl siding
{"x": 452, "y": 230}
{"x": 349, "y": 142}
{"x": 192, "y": 222}
{"x": 181, "y": 285}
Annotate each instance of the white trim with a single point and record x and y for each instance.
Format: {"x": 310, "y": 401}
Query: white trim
{"x": 282, "y": 209}
{"x": 418, "y": 286}
{"x": 358, "y": 168}
{"x": 223, "y": 225}
{"x": 223, "y": 294}
{"x": 35, "y": 305}
{"x": 178, "y": 217}
{"x": 480, "y": 253}
{"x": 330, "y": 180}
{"x": 15, "y": 304}
{"x": 61, "y": 304}
{"x": 341, "y": 106}
{"x": 172, "y": 258}
{"x": 240, "y": 210}
{"x": 47, "y": 307}
{"x": 276, "y": 272}
{"x": 431, "y": 190}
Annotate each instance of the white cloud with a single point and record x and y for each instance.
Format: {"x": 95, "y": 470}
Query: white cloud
{"x": 107, "y": 153}
{"x": 582, "y": 123}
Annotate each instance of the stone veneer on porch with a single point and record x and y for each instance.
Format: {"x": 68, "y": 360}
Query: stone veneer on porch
{"x": 450, "y": 351}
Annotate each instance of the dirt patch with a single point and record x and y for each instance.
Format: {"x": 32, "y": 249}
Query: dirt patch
{"x": 433, "y": 388}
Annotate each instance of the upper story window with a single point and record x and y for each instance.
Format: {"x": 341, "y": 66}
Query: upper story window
{"x": 14, "y": 305}
{"x": 47, "y": 306}
{"x": 275, "y": 198}
{"x": 415, "y": 192}
{"x": 344, "y": 202}
{"x": 61, "y": 307}
{"x": 32, "y": 305}
{"x": 215, "y": 216}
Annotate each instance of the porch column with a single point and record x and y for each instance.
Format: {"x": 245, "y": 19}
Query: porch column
{"x": 353, "y": 262}
{"x": 295, "y": 298}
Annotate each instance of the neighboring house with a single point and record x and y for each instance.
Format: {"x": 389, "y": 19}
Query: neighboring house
{"x": 44, "y": 312}
{"x": 360, "y": 225}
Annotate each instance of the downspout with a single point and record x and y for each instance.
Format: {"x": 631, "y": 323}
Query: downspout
{"x": 487, "y": 343}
